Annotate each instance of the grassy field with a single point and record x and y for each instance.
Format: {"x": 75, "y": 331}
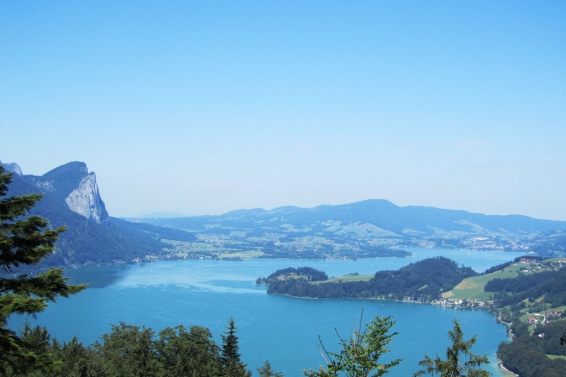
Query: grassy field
{"x": 472, "y": 288}
{"x": 556, "y": 357}
{"x": 352, "y": 277}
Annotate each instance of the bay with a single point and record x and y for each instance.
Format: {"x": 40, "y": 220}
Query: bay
{"x": 280, "y": 329}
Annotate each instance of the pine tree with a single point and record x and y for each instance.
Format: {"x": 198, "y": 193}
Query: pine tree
{"x": 361, "y": 352}
{"x": 24, "y": 240}
{"x": 230, "y": 357}
{"x": 266, "y": 371}
{"x": 460, "y": 361}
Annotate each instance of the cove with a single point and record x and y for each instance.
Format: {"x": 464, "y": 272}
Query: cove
{"x": 283, "y": 330}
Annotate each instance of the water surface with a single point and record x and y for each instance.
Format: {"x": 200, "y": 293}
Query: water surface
{"x": 280, "y": 329}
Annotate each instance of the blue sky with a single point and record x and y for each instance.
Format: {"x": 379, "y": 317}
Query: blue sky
{"x": 202, "y": 107}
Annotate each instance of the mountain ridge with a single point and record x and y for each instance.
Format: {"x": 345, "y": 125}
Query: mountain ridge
{"x": 71, "y": 199}
{"x": 354, "y": 229}
{"x": 385, "y": 214}
{"x": 369, "y": 228}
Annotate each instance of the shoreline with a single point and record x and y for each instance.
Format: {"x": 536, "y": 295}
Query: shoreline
{"x": 505, "y": 370}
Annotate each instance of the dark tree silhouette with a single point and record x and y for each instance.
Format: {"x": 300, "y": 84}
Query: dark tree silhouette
{"x": 24, "y": 240}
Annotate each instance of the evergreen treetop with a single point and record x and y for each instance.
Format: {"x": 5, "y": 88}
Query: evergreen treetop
{"x": 24, "y": 240}
{"x": 460, "y": 361}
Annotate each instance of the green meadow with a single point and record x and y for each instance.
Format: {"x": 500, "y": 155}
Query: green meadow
{"x": 472, "y": 288}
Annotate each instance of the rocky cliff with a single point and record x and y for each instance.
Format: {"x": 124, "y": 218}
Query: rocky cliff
{"x": 12, "y": 167}
{"x": 86, "y": 201}
{"x": 72, "y": 185}
{"x": 71, "y": 198}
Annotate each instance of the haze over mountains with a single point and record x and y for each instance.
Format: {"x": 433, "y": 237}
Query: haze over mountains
{"x": 379, "y": 213}
{"x": 364, "y": 228}
{"x": 367, "y": 228}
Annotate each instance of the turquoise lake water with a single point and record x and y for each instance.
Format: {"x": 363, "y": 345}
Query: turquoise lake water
{"x": 280, "y": 329}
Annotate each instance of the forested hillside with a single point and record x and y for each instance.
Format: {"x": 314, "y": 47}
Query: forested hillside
{"x": 302, "y": 273}
{"x": 533, "y": 304}
{"x": 130, "y": 350}
{"x": 424, "y": 281}
{"x": 536, "y": 354}
{"x": 549, "y": 287}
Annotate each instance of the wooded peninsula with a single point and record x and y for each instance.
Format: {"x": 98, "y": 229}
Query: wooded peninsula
{"x": 526, "y": 294}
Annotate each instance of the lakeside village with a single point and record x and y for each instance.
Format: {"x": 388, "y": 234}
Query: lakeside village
{"x": 354, "y": 244}
{"x": 464, "y": 303}
{"x": 525, "y": 266}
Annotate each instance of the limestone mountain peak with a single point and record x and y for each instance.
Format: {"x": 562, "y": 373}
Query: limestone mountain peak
{"x": 79, "y": 189}
{"x": 70, "y": 184}
{"x": 12, "y": 167}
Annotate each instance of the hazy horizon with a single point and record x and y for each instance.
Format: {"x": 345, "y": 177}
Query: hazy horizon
{"x": 161, "y": 214}
{"x": 207, "y": 107}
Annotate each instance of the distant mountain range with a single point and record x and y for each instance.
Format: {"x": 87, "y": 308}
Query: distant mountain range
{"x": 363, "y": 229}
{"x": 370, "y": 224}
{"x": 71, "y": 198}
{"x": 376, "y": 212}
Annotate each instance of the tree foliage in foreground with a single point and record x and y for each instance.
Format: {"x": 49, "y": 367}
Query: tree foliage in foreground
{"x": 361, "y": 353}
{"x": 129, "y": 351}
{"x": 24, "y": 240}
{"x": 133, "y": 351}
{"x": 266, "y": 371}
{"x": 460, "y": 361}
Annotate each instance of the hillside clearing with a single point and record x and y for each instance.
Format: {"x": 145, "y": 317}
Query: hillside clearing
{"x": 350, "y": 277}
{"x": 473, "y": 288}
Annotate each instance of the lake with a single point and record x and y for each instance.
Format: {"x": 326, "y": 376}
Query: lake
{"x": 283, "y": 330}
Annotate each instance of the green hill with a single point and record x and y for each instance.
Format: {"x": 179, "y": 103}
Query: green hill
{"x": 422, "y": 281}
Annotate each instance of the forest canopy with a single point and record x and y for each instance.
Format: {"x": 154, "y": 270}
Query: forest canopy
{"x": 426, "y": 280}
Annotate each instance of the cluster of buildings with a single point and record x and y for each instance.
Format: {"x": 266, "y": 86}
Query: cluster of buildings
{"x": 452, "y": 303}
{"x": 465, "y": 303}
{"x": 550, "y": 315}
